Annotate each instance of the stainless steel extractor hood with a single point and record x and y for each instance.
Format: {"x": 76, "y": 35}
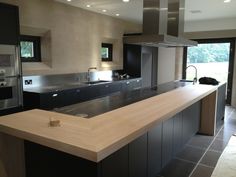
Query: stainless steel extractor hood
{"x": 163, "y": 25}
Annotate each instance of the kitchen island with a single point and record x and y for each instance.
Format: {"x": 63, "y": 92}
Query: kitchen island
{"x": 135, "y": 140}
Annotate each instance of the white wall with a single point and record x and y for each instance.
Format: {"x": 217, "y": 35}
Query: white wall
{"x": 210, "y": 25}
{"x": 166, "y": 65}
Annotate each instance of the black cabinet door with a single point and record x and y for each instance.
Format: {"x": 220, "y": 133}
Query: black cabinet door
{"x": 52, "y": 100}
{"x": 191, "y": 121}
{"x": 221, "y": 104}
{"x": 132, "y": 60}
{"x": 75, "y": 96}
{"x": 154, "y": 150}
{"x": 131, "y": 85}
{"x": 9, "y": 21}
{"x": 138, "y": 157}
{"x": 177, "y": 133}
{"x": 167, "y": 141}
{"x": 117, "y": 164}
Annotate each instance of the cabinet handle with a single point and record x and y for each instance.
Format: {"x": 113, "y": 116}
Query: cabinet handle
{"x": 55, "y": 95}
{"x": 127, "y": 82}
{"x": 78, "y": 91}
{"x": 107, "y": 86}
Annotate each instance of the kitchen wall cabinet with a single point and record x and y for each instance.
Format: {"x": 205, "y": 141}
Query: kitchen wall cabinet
{"x": 132, "y": 60}
{"x": 9, "y": 21}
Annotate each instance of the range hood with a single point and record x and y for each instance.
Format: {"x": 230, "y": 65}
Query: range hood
{"x": 163, "y": 25}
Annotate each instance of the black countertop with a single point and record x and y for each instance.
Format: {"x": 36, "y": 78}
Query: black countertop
{"x": 67, "y": 86}
{"x": 98, "y": 106}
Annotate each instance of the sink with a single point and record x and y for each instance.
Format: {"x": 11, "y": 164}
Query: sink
{"x": 184, "y": 80}
{"x": 95, "y": 82}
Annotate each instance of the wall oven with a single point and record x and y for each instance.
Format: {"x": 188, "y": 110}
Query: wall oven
{"x": 10, "y": 77}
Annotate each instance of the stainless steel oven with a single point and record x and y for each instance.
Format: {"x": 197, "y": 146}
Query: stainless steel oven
{"x": 10, "y": 77}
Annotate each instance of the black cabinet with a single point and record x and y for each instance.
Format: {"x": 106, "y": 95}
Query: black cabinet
{"x": 132, "y": 60}
{"x": 131, "y": 85}
{"x": 52, "y": 100}
{"x": 221, "y": 104}
{"x": 138, "y": 157}
{"x": 191, "y": 121}
{"x": 154, "y": 150}
{"x": 9, "y": 20}
{"x": 117, "y": 164}
{"x": 77, "y": 95}
{"x": 167, "y": 141}
{"x": 177, "y": 133}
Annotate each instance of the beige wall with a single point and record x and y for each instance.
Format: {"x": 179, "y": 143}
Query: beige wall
{"x": 166, "y": 65}
{"x": 75, "y": 36}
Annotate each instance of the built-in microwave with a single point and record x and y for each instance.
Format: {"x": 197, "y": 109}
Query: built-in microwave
{"x": 10, "y": 77}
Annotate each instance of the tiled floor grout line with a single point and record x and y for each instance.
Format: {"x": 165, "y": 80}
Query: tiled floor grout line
{"x": 205, "y": 152}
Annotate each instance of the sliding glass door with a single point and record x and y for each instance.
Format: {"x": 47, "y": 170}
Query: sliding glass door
{"x": 212, "y": 58}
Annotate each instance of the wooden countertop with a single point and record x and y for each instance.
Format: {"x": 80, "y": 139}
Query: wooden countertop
{"x": 98, "y": 137}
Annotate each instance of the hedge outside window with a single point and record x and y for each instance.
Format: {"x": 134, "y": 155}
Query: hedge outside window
{"x": 30, "y": 48}
{"x": 106, "y": 52}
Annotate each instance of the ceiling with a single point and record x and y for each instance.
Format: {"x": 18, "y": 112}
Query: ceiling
{"x": 132, "y": 11}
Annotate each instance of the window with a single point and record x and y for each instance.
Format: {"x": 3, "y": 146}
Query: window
{"x": 30, "y": 50}
{"x": 106, "y": 52}
{"x": 212, "y": 58}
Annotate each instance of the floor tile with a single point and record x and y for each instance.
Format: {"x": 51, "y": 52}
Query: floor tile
{"x": 177, "y": 168}
{"x": 190, "y": 153}
{"x": 202, "y": 171}
{"x": 218, "y": 145}
{"x": 225, "y": 134}
{"x": 200, "y": 141}
{"x": 210, "y": 158}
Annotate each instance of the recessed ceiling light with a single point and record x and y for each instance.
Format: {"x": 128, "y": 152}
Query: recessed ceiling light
{"x": 125, "y": 0}
{"x": 117, "y": 15}
{"x": 68, "y": 0}
{"x": 227, "y": 1}
{"x": 104, "y": 10}
{"x": 88, "y": 5}
{"x": 195, "y": 11}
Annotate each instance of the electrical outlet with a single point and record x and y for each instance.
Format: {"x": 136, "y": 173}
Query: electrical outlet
{"x": 28, "y": 82}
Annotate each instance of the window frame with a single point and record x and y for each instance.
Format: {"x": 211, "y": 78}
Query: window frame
{"x": 110, "y": 52}
{"x": 37, "y": 48}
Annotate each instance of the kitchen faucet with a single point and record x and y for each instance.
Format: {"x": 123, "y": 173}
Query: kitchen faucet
{"x": 88, "y": 74}
{"x": 195, "y": 78}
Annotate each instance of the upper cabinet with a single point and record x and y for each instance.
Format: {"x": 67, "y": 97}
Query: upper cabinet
{"x": 9, "y": 22}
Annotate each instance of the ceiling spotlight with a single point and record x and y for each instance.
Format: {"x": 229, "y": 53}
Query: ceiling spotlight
{"x": 117, "y": 15}
{"x": 125, "y": 0}
{"x": 104, "y": 10}
{"x": 88, "y": 5}
{"x": 68, "y": 0}
{"x": 227, "y": 1}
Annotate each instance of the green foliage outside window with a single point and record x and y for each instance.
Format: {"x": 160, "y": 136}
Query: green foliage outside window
{"x": 205, "y": 53}
{"x": 27, "y": 49}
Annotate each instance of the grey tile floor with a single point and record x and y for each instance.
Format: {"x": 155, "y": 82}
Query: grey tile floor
{"x": 199, "y": 157}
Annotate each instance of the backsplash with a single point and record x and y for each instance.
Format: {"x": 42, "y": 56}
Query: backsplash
{"x": 60, "y": 79}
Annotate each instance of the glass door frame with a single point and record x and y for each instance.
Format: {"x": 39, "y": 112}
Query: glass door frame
{"x": 231, "y": 62}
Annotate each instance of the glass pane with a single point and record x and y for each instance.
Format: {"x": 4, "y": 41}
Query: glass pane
{"x": 27, "y": 49}
{"x": 211, "y": 60}
{"x": 105, "y": 52}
